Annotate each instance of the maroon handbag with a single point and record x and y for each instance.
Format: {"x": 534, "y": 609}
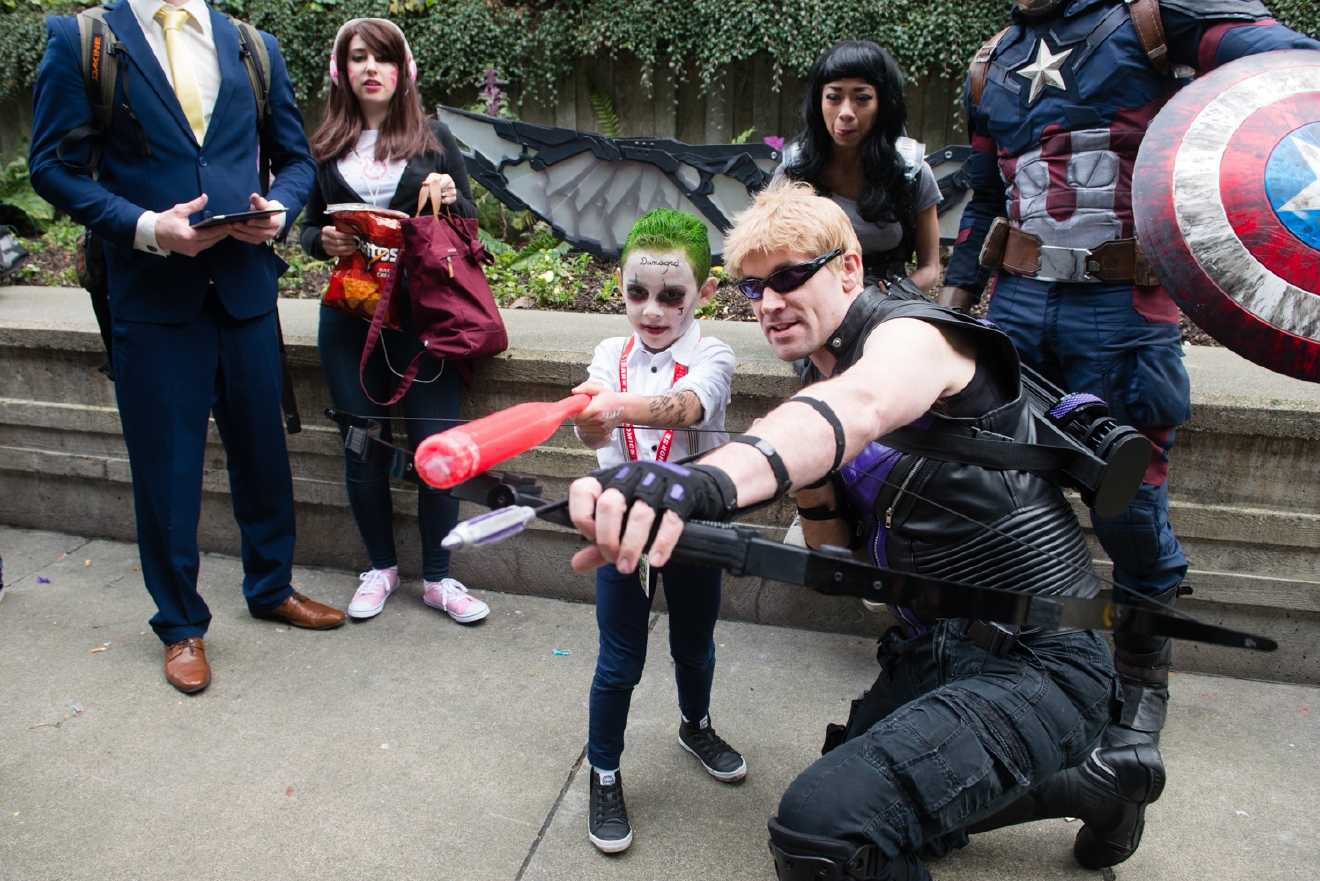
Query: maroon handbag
{"x": 453, "y": 309}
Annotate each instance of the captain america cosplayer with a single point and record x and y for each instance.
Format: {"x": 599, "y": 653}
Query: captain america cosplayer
{"x": 1057, "y": 106}
{"x": 968, "y": 719}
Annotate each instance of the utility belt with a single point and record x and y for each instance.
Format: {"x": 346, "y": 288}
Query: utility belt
{"x": 1026, "y": 254}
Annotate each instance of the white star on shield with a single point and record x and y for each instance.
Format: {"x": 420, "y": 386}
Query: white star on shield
{"x": 1309, "y": 198}
{"x": 1044, "y": 71}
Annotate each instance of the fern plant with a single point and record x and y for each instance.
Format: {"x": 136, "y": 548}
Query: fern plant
{"x": 19, "y": 203}
{"x": 606, "y": 118}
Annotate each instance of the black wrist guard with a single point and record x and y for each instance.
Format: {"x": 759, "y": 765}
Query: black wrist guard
{"x": 767, "y": 449}
{"x": 693, "y": 492}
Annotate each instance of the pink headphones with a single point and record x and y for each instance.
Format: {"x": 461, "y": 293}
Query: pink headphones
{"x": 334, "y": 61}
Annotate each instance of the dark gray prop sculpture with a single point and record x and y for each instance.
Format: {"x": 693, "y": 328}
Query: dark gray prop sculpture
{"x": 590, "y": 189}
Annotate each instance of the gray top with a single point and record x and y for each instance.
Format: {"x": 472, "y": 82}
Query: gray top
{"x": 877, "y": 237}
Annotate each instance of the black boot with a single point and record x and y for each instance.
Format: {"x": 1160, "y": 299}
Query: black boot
{"x": 1142, "y": 663}
{"x": 1109, "y": 792}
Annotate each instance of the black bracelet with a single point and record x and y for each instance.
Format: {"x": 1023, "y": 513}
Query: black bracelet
{"x": 840, "y": 442}
{"x": 820, "y": 512}
{"x": 767, "y": 449}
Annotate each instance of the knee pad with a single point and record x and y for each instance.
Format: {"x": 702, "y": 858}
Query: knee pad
{"x": 816, "y": 858}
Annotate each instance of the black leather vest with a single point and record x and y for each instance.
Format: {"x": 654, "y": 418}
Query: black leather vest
{"x": 1006, "y": 529}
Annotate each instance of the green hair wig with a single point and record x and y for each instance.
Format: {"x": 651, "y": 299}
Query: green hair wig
{"x": 665, "y": 229}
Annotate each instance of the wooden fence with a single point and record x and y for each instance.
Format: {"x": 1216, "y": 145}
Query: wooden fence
{"x": 744, "y": 98}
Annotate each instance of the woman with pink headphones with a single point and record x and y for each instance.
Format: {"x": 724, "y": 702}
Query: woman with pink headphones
{"x": 376, "y": 145}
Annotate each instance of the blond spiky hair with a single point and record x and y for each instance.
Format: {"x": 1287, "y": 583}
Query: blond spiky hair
{"x": 788, "y": 217}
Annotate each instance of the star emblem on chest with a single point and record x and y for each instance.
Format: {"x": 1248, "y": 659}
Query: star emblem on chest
{"x": 1045, "y": 70}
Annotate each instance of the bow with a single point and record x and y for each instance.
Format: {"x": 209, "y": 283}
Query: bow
{"x": 517, "y": 499}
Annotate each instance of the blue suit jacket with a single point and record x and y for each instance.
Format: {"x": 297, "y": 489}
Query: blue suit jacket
{"x": 147, "y": 287}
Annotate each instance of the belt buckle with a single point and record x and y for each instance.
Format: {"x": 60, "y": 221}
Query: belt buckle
{"x": 995, "y": 639}
{"x": 1064, "y": 264}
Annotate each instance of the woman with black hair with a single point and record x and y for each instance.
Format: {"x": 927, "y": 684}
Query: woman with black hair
{"x": 853, "y": 115}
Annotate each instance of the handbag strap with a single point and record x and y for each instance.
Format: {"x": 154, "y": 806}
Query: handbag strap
{"x": 373, "y": 336}
{"x": 432, "y": 191}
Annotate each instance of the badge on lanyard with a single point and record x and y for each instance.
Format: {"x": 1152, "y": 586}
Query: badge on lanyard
{"x": 662, "y": 450}
{"x": 644, "y": 573}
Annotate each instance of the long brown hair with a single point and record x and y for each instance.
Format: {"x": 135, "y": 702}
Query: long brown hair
{"x": 405, "y": 133}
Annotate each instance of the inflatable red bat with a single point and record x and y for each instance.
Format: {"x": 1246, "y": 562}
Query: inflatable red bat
{"x": 451, "y": 457}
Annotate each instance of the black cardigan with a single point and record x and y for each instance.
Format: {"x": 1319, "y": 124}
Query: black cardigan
{"x": 331, "y": 188}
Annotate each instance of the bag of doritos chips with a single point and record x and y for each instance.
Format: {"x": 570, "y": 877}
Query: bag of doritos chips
{"x": 357, "y": 280}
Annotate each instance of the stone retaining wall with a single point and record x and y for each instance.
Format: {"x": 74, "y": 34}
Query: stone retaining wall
{"x": 1245, "y": 488}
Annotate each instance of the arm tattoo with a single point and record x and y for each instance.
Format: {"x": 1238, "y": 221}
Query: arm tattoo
{"x": 680, "y": 409}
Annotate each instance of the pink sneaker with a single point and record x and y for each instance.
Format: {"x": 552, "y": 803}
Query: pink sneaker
{"x": 377, "y": 585}
{"x": 454, "y": 598}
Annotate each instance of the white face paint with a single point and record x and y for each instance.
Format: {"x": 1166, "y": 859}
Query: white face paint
{"x": 662, "y": 296}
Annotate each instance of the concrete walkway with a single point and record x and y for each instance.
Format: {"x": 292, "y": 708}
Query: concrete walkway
{"x": 409, "y": 747}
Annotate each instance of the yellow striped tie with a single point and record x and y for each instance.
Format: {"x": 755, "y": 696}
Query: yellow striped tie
{"x": 172, "y": 19}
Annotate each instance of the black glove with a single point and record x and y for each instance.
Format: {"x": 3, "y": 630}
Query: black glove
{"x": 693, "y": 492}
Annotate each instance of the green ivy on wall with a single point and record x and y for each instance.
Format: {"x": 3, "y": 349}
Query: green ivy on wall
{"x": 536, "y": 44}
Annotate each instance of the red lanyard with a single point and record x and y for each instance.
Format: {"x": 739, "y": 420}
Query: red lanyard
{"x": 667, "y": 439}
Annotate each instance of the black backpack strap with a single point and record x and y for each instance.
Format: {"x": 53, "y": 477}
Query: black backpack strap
{"x": 256, "y": 60}
{"x": 292, "y": 421}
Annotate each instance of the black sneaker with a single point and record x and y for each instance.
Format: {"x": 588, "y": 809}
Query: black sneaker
{"x": 722, "y": 761}
{"x": 608, "y": 824}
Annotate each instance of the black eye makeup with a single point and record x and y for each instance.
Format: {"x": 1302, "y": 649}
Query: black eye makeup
{"x": 670, "y": 296}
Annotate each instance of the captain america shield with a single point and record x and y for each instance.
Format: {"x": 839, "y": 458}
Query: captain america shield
{"x": 1226, "y": 195}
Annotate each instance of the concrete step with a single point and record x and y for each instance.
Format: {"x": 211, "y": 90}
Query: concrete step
{"x": 1245, "y": 486}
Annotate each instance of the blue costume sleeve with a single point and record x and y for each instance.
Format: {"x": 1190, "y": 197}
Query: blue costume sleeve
{"x": 60, "y": 105}
{"x": 988, "y": 202}
{"x": 290, "y": 158}
{"x": 1204, "y": 43}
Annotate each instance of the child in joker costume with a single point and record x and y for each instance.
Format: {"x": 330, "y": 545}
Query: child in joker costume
{"x": 658, "y": 394}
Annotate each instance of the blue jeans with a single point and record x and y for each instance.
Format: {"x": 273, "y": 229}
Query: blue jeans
{"x": 622, "y": 609}
{"x": 1122, "y": 343}
{"x": 433, "y": 397}
{"x": 949, "y": 735}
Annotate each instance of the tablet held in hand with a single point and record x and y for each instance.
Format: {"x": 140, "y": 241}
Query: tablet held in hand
{"x": 221, "y": 219}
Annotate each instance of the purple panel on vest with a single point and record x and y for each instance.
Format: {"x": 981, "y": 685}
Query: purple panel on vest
{"x": 864, "y": 479}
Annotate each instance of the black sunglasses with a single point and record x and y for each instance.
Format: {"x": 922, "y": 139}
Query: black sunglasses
{"x": 785, "y": 280}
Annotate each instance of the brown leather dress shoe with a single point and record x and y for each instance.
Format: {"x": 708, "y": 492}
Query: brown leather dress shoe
{"x": 299, "y": 611}
{"x": 185, "y": 665}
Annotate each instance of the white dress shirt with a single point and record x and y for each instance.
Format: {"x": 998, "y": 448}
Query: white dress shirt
{"x": 709, "y": 375}
{"x": 200, "y": 40}
{"x": 197, "y": 36}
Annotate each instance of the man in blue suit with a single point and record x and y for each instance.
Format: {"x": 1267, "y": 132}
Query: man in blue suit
{"x": 195, "y": 328}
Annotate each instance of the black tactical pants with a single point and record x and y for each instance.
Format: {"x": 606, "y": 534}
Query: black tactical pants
{"x": 950, "y": 734}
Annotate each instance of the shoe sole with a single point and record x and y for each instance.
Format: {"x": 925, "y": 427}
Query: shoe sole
{"x": 722, "y": 776}
{"x": 269, "y": 617}
{"x": 466, "y": 619}
{"x": 367, "y": 613}
{"x": 192, "y": 690}
{"x": 616, "y": 846}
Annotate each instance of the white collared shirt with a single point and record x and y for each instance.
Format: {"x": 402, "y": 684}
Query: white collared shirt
{"x": 709, "y": 375}
{"x": 198, "y": 36}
